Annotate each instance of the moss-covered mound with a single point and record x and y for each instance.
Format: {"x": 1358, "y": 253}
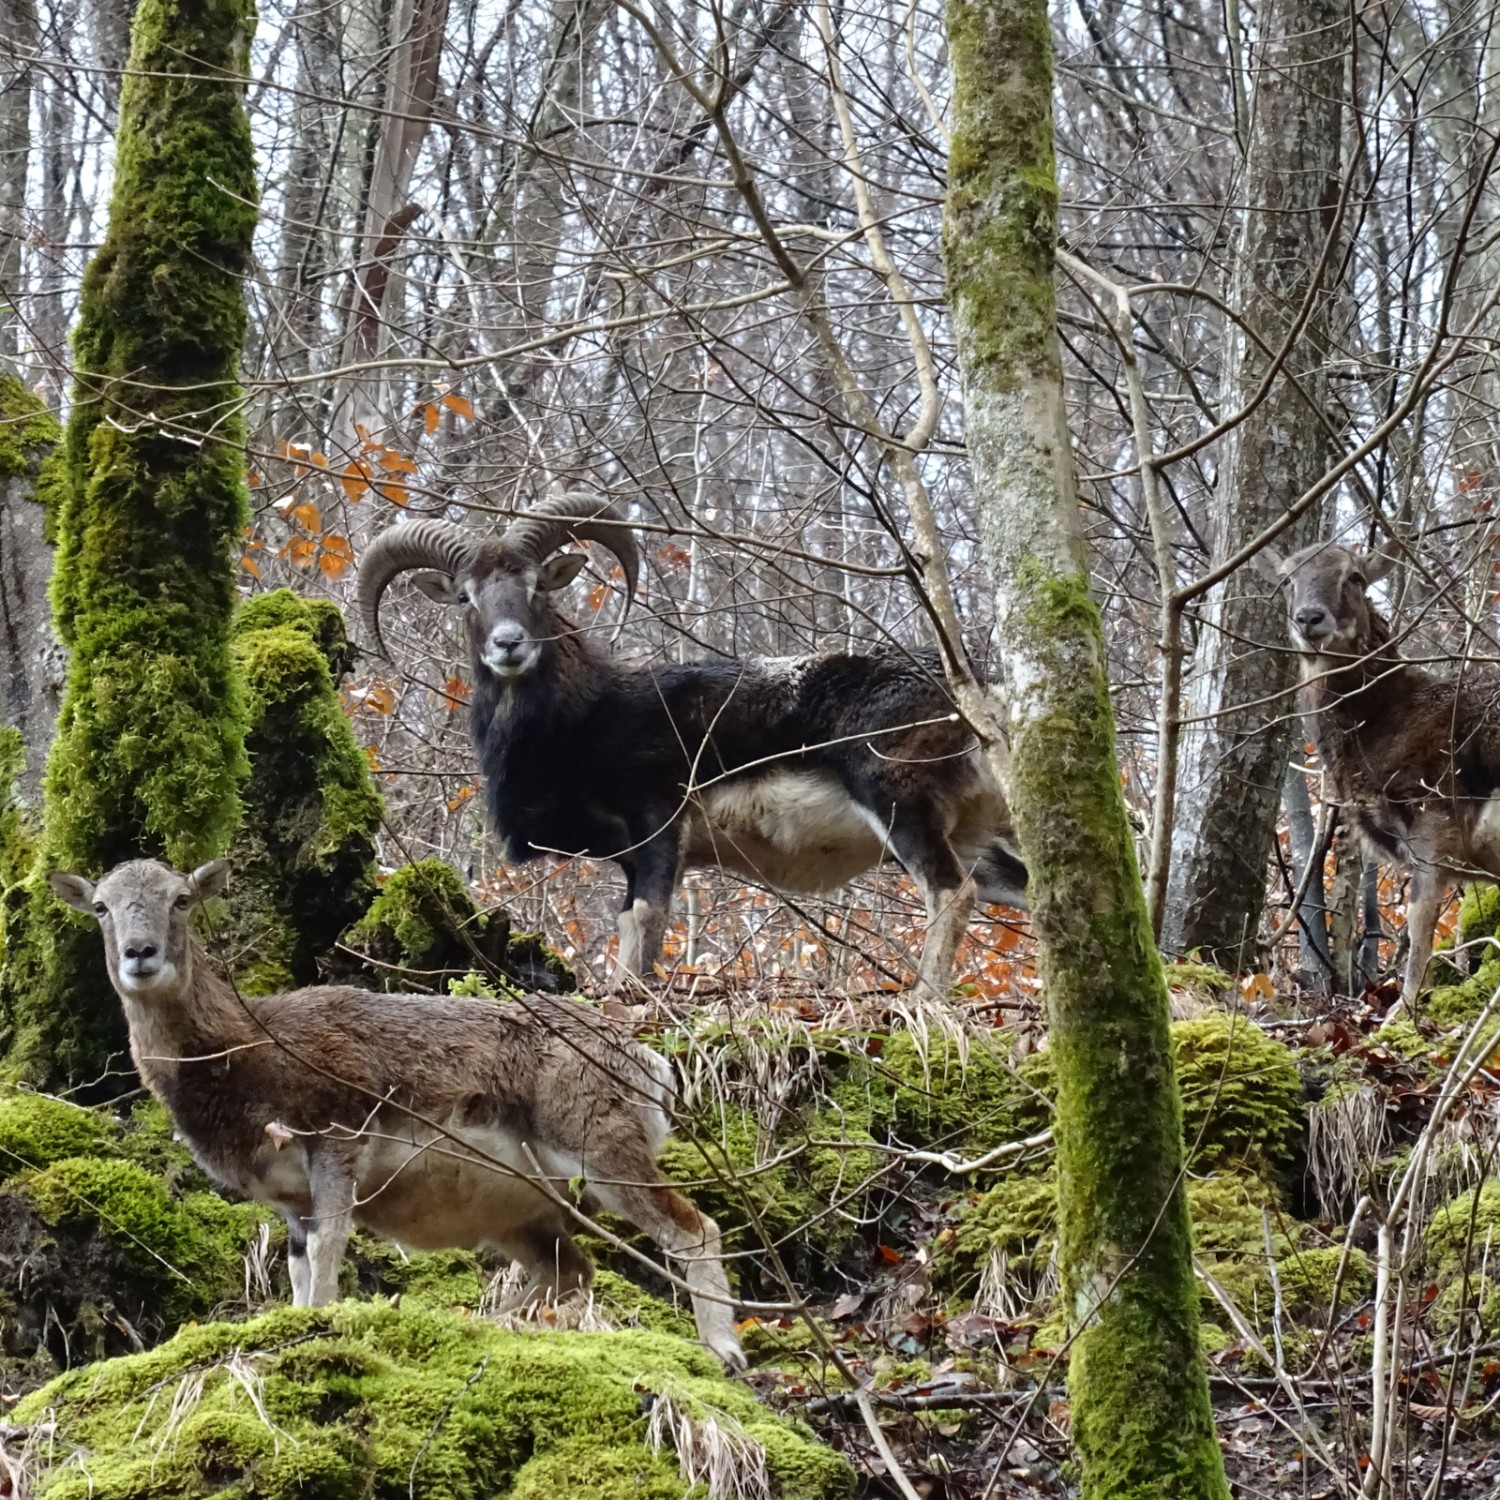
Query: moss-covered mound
{"x": 304, "y": 857}
{"x": 108, "y": 1236}
{"x": 1459, "y": 1253}
{"x": 1460, "y": 993}
{"x": 424, "y": 932}
{"x": 354, "y": 1401}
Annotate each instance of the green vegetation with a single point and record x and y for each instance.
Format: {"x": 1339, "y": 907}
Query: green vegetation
{"x": 357, "y": 1400}
{"x": 150, "y": 741}
{"x": 423, "y": 931}
{"x": 304, "y": 857}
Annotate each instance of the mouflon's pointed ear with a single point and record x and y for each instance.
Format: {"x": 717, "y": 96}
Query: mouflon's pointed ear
{"x": 209, "y": 880}
{"x": 73, "y": 889}
{"x": 558, "y": 572}
{"x": 1270, "y": 563}
{"x": 439, "y": 587}
{"x": 1373, "y": 566}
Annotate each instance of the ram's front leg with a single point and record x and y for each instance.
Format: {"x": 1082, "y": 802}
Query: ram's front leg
{"x": 650, "y": 880}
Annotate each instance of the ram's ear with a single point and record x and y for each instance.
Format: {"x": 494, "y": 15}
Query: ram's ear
{"x": 439, "y": 587}
{"x": 73, "y": 889}
{"x": 1270, "y": 563}
{"x": 210, "y": 880}
{"x": 558, "y": 572}
{"x": 1375, "y": 565}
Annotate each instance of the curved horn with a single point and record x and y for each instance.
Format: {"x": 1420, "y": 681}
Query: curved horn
{"x": 577, "y": 517}
{"x": 417, "y": 544}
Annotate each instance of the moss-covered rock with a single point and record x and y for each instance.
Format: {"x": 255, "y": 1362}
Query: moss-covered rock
{"x": 363, "y": 1401}
{"x": 423, "y": 931}
{"x": 1459, "y": 1252}
{"x": 149, "y": 749}
{"x": 186, "y": 1256}
{"x": 1242, "y": 1096}
{"x": 805, "y": 1189}
{"x": 37, "y": 1130}
{"x": 304, "y": 857}
{"x": 1459, "y": 994}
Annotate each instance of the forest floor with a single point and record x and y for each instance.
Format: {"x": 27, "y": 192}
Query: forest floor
{"x": 885, "y": 1179}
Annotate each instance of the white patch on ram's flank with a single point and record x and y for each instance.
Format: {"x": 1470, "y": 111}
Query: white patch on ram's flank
{"x": 792, "y": 830}
{"x": 1487, "y": 831}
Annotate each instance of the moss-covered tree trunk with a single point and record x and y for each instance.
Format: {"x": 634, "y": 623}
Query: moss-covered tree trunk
{"x": 1141, "y": 1416}
{"x": 150, "y": 742}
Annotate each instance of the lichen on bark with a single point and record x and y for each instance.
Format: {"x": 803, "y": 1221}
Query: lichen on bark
{"x": 150, "y": 741}
{"x": 1141, "y": 1416}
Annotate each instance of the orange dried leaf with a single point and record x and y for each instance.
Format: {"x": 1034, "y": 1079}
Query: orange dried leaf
{"x": 355, "y": 480}
{"x": 395, "y": 463}
{"x": 382, "y": 698}
{"x": 431, "y": 416}
{"x": 456, "y": 691}
{"x": 307, "y": 516}
{"x": 397, "y": 494}
{"x": 460, "y": 406}
{"x": 597, "y": 595}
{"x": 320, "y": 460}
{"x": 250, "y": 565}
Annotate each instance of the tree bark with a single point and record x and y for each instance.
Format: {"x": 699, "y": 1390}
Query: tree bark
{"x": 18, "y": 43}
{"x": 150, "y": 744}
{"x": 1141, "y": 1416}
{"x": 1240, "y": 707}
{"x": 32, "y": 661}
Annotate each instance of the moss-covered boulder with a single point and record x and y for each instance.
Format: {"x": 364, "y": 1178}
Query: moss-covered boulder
{"x": 1460, "y": 993}
{"x": 424, "y": 932}
{"x": 109, "y": 1235}
{"x": 354, "y": 1400}
{"x": 304, "y": 856}
{"x": 1242, "y": 1097}
{"x": 804, "y": 1188}
{"x": 1459, "y": 1250}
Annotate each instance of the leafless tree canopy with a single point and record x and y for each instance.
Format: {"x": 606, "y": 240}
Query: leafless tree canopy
{"x": 689, "y": 255}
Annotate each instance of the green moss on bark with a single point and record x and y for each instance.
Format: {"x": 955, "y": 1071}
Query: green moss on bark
{"x": 361, "y": 1401}
{"x": 31, "y": 446}
{"x": 150, "y": 741}
{"x": 1142, "y": 1418}
{"x": 304, "y": 857}
{"x": 1141, "y": 1414}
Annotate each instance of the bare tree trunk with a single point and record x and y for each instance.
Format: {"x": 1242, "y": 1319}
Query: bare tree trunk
{"x": 1141, "y": 1415}
{"x": 1239, "y": 698}
{"x": 33, "y": 664}
{"x": 18, "y": 43}
{"x": 416, "y": 29}
{"x": 1311, "y": 924}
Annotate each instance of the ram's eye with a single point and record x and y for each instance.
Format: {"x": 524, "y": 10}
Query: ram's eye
{"x": 100, "y": 909}
{"x": 463, "y": 596}
{"x": 182, "y": 902}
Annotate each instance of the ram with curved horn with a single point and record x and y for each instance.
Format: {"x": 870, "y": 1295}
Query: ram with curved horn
{"x": 800, "y": 773}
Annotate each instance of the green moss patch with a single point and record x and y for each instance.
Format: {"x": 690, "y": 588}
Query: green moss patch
{"x": 423, "y": 931}
{"x": 37, "y": 1130}
{"x": 304, "y": 858}
{"x": 361, "y": 1401}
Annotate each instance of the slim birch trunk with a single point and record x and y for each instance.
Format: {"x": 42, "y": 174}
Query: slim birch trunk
{"x": 1141, "y": 1416}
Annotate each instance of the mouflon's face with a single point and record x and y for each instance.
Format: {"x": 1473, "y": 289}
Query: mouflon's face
{"x": 507, "y": 606}
{"x": 144, "y": 909}
{"x": 1327, "y": 604}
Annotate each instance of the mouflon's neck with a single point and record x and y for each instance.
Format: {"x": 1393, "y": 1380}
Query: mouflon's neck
{"x": 202, "y": 1022}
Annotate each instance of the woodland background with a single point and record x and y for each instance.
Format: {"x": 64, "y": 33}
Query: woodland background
{"x": 692, "y": 256}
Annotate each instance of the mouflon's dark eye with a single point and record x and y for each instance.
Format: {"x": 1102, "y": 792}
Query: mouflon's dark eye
{"x": 182, "y": 901}
{"x": 463, "y": 596}
{"x": 100, "y": 908}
